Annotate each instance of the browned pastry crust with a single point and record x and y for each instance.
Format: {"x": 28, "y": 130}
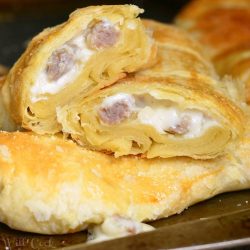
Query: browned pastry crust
{"x": 52, "y": 186}
{"x": 6, "y": 122}
{"x": 223, "y": 28}
{"x": 3, "y": 70}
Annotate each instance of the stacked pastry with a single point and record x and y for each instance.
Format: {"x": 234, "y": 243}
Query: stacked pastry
{"x": 223, "y": 28}
{"x": 6, "y": 121}
{"x": 159, "y": 112}
{"x": 93, "y": 49}
{"x": 87, "y": 80}
{"x": 156, "y": 112}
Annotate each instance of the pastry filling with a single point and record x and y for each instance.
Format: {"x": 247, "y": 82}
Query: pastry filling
{"x": 66, "y": 63}
{"x": 116, "y": 226}
{"x": 102, "y": 35}
{"x": 116, "y": 109}
{"x": 164, "y": 116}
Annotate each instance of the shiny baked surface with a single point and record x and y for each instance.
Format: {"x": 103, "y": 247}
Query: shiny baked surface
{"x": 52, "y": 186}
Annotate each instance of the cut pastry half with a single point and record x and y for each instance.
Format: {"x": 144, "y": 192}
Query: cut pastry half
{"x": 97, "y": 46}
{"x": 178, "y": 107}
{"x": 156, "y": 118}
{"x": 6, "y": 122}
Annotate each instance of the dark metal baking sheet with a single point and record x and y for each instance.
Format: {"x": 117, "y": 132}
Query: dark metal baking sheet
{"x": 219, "y": 223}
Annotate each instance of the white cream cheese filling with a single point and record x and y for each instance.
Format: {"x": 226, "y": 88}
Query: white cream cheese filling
{"x": 115, "y": 227}
{"x": 164, "y": 119}
{"x": 111, "y": 100}
{"x": 78, "y": 47}
{"x": 163, "y": 115}
{"x": 42, "y": 85}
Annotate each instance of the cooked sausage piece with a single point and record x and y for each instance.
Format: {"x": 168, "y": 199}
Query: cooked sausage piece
{"x": 116, "y": 112}
{"x": 180, "y": 128}
{"x": 59, "y": 63}
{"x": 102, "y": 35}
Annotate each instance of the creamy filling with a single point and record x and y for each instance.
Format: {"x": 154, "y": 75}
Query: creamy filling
{"x": 66, "y": 63}
{"x": 116, "y": 108}
{"x": 78, "y": 48}
{"x": 115, "y": 227}
{"x": 190, "y": 123}
{"x": 103, "y": 34}
{"x": 164, "y": 116}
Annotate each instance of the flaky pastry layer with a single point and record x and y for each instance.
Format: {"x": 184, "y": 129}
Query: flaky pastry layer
{"x": 91, "y": 50}
{"x": 178, "y": 107}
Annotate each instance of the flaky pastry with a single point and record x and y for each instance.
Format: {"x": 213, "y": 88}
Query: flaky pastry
{"x": 178, "y": 107}
{"x": 6, "y": 122}
{"x": 97, "y": 46}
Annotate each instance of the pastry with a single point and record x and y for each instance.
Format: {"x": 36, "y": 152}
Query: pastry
{"x": 3, "y": 70}
{"x": 6, "y": 122}
{"x": 91, "y": 50}
{"x": 222, "y": 27}
{"x": 178, "y": 107}
{"x": 64, "y": 188}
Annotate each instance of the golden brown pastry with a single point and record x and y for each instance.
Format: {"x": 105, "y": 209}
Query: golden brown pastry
{"x": 63, "y": 188}
{"x": 6, "y": 122}
{"x": 223, "y": 27}
{"x": 93, "y": 49}
{"x": 177, "y": 53}
{"x": 175, "y": 108}
{"x": 3, "y": 70}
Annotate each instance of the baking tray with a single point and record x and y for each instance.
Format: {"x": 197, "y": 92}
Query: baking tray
{"x": 219, "y": 223}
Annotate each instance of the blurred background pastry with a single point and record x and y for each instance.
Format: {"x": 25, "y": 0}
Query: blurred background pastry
{"x": 223, "y": 28}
